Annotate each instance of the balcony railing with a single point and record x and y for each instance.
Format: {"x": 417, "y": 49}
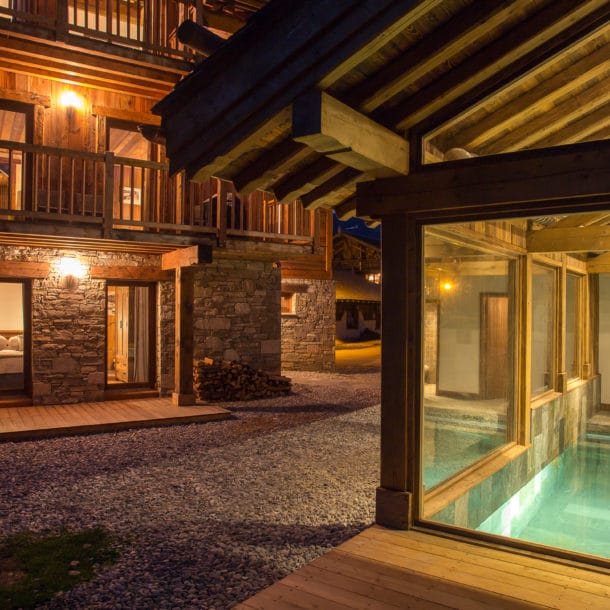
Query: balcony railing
{"x": 42, "y": 183}
{"x": 147, "y": 25}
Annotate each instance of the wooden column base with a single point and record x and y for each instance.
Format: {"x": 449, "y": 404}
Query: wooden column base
{"x": 181, "y": 400}
{"x": 393, "y": 508}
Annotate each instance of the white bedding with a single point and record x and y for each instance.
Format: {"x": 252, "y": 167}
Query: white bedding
{"x": 11, "y": 361}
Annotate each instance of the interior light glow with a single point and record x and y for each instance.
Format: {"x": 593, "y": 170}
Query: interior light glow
{"x": 447, "y": 286}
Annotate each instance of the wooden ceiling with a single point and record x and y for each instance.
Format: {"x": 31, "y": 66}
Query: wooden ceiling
{"x": 486, "y": 77}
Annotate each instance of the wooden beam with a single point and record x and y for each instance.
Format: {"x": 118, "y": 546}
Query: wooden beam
{"x": 267, "y": 168}
{"x": 489, "y": 126}
{"x": 327, "y": 191}
{"x": 186, "y": 257}
{"x": 599, "y": 264}
{"x": 183, "y": 353}
{"x": 149, "y": 274}
{"x": 306, "y": 179}
{"x": 555, "y": 175}
{"x": 434, "y": 49}
{"x": 199, "y": 38}
{"x": 346, "y": 209}
{"x": 545, "y": 122}
{"x": 570, "y": 239}
{"x": 308, "y": 54}
{"x": 219, "y": 20}
{"x": 581, "y": 220}
{"x": 24, "y": 269}
{"x": 341, "y": 133}
{"x": 126, "y": 115}
{"x": 25, "y": 97}
{"x": 517, "y": 51}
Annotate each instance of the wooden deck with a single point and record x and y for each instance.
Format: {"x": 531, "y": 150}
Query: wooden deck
{"x": 41, "y": 421}
{"x": 383, "y": 568}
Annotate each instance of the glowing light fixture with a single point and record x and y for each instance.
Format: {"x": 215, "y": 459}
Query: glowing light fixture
{"x": 70, "y": 99}
{"x": 446, "y": 286}
{"x": 71, "y": 269}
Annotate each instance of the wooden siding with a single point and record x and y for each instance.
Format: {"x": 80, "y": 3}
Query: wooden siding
{"x": 381, "y": 568}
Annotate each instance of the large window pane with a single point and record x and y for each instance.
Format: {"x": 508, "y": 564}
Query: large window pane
{"x": 12, "y": 337}
{"x": 467, "y": 368}
{"x": 572, "y": 325}
{"x": 543, "y": 319}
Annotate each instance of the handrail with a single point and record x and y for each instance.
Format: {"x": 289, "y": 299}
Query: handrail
{"x": 147, "y": 25}
{"x": 41, "y": 182}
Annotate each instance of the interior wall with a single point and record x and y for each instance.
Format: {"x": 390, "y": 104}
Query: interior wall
{"x": 11, "y": 306}
{"x": 604, "y": 336}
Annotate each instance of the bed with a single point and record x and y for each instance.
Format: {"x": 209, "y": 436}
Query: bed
{"x": 11, "y": 359}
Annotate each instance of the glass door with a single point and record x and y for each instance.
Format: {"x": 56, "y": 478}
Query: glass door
{"x": 130, "y": 324}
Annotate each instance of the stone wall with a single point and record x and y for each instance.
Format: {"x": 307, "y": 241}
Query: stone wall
{"x": 69, "y": 325}
{"x": 555, "y": 426}
{"x": 308, "y": 335}
{"x": 166, "y": 314}
{"x": 237, "y": 312}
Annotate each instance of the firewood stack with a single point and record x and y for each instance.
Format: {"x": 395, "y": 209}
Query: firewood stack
{"x": 220, "y": 380}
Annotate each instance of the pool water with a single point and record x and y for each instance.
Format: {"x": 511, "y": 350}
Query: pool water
{"x": 566, "y": 505}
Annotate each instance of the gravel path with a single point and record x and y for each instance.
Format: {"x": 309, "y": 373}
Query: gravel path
{"x": 207, "y": 514}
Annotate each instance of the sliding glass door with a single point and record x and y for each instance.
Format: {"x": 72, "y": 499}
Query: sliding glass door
{"x": 130, "y": 324}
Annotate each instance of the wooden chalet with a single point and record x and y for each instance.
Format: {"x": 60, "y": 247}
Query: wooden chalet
{"x": 115, "y": 273}
{"x": 477, "y": 133}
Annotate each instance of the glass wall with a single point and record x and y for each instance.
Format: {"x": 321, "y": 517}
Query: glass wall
{"x": 543, "y": 320}
{"x": 13, "y": 337}
{"x": 515, "y": 402}
{"x": 468, "y": 356}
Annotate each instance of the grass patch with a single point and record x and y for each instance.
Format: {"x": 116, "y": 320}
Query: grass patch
{"x": 34, "y": 569}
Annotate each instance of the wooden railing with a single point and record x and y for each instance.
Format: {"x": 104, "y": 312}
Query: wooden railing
{"x": 148, "y": 25}
{"x": 42, "y": 183}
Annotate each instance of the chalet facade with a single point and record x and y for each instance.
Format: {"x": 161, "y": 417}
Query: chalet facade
{"x": 478, "y": 133}
{"x": 115, "y": 274}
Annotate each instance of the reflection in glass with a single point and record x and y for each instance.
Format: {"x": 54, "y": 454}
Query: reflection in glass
{"x": 543, "y": 320}
{"x": 467, "y": 356}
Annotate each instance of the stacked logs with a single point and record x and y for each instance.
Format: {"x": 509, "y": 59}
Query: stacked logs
{"x": 220, "y": 380}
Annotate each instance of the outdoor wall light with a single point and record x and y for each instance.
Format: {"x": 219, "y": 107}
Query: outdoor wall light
{"x": 71, "y": 270}
{"x": 70, "y": 99}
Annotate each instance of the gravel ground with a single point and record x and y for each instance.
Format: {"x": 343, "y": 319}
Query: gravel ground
{"x": 207, "y": 514}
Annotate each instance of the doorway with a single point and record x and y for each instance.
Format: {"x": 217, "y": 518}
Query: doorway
{"x": 494, "y": 360}
{"x": 130, "y": 332}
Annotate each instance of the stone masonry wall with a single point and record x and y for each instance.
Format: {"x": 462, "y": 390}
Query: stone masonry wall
{"x": 308, "y": 335}
{"x": 69, "y": 325}
{"x": 237, "y": 312}
{"x": 166, "y": 314}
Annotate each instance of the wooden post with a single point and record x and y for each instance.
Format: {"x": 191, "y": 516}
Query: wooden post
{"x": 108, "y": 193}
{"x": 221, "y": 212}
{"x": 183, "y": 390}
{"x": 61, "y": 19}
{"x": 395, "y": 495}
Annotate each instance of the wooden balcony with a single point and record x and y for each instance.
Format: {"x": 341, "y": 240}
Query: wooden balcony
{"x": 145, "y": 25}
{"x": 95, "y": 195}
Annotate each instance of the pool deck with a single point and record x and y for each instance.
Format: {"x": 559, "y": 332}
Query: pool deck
{"x": 20, "y": 423}
{"x": 383, "y": 568}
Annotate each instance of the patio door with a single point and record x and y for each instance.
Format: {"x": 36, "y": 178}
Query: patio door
{"x": 130, "y": 332}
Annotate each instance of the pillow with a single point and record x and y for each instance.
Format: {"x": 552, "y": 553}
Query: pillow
{"x": 3, "y": 342}
{"x": 16, "y": 343}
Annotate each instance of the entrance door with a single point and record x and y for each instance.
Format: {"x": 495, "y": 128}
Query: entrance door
{"x": 130, "y": 324}
{"x": 14, "y": 337}
{"x": 494, "y": 346}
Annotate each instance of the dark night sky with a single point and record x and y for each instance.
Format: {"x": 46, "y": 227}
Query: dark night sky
{"x": 356, "y": 227}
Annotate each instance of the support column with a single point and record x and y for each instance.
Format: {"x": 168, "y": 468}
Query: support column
{"x": 185, "y": 290}
{"x": 401, "y": 273}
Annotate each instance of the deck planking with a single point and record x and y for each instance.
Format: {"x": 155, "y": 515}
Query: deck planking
{"x": 30, "y": 422}
{"x": 382, "y": 568}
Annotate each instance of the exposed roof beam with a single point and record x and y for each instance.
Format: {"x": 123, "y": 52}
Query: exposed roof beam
{"x": 346, "y": 209}
{"x": 549, "y": 122}
{"x": 580, "y": 220}
{"x": 219, "y": 20}
{"x": 431, "y": 51}
{"x": 265, "y": 170}
{"x": 570, "y": 239}
{"x": 347, "y": 136}
{"x": 555, "y": 26}
{"x": 494, "y": 124}
{"x": 577, "y": 131}
{"x": 327, "y": 191}
{"x": 565, "y": 175}
{"x": 306, "y": 179}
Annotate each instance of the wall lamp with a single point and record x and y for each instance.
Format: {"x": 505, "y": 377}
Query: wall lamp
{"x": 70, "y": 271}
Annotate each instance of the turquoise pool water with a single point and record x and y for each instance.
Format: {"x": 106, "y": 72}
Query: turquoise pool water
{"x": 566, "y": 505}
